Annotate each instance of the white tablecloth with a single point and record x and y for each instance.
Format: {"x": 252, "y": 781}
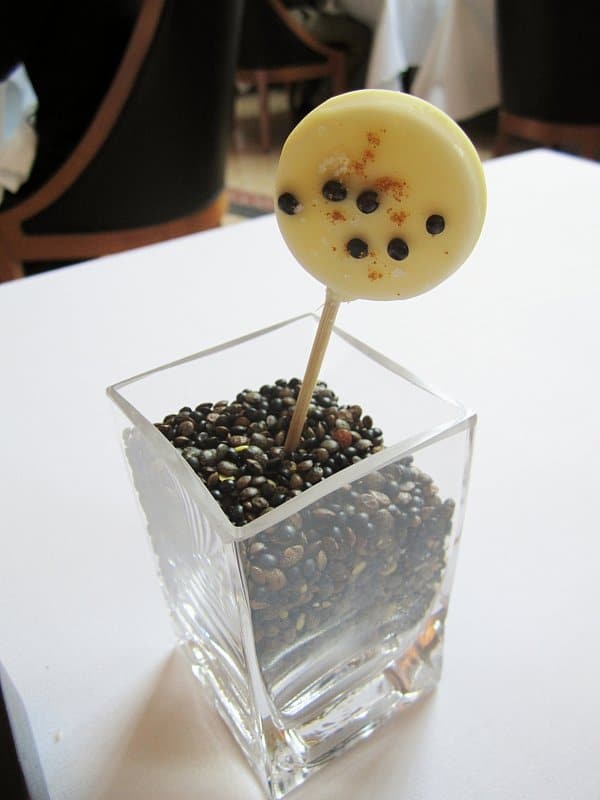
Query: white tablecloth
{"x": 451, "y": 42}
{"x": 459, "y": 72}
{"x": 513, "y": 334}
{"x": 18, "y": 140}
{"x": 402, "y": 31}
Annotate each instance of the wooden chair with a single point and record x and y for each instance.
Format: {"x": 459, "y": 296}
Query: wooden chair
{"x": 583, "y": 140}
{"x": 275, "y": 49}
{"x": 151, "y": 164}
{"x": 549, "y": 65}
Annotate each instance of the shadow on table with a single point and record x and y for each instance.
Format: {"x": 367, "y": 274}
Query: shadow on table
{"x": 180, "y": 748}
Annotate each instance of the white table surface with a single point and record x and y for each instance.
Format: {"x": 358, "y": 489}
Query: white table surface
{"x": 514, "y": 334}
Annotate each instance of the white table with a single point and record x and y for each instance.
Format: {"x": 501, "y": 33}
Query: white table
{"x": 514, "y": 334}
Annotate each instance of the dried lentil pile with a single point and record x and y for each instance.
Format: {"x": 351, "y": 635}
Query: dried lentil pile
{"x": 371, "y": 553}
{"x": 237, "y": 448}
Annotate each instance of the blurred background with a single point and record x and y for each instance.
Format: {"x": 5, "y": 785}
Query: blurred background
{"x": 173, "y": 119}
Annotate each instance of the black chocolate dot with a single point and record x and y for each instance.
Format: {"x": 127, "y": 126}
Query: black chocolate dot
{"x": 357, "y": 248}
{"x": 334, "y": 190}
{"x": 288, "y": 203}
{"x": 435, "y": 224}
{"x": 367, "y": 201}
{"x": 397, "y": 249}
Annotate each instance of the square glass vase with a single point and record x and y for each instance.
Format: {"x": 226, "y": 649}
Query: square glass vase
{"x": 314, "y": 623}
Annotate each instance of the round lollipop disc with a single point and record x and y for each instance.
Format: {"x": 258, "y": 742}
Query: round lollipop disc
{"x": 379, "y": 195}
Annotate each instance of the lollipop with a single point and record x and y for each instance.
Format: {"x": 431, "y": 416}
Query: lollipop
{"x": 379, "y": 196}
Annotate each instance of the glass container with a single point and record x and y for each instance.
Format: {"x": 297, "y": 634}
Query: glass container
{"x": 341, "y": 626}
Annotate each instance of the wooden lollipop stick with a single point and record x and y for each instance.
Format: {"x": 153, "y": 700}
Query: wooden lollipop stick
{"x": 313, "y": 367}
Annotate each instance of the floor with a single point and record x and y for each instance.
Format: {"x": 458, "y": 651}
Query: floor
{"x": 250, "y": 173}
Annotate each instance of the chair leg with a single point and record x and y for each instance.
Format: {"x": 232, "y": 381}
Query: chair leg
{"x": 510, "y": 136}
{"x": 10, "y": 268}
{"x": 262, "y": 85}
{"x": 589, "y": 146}
{"x": 338, "y": 78}
{"x": 501, "y": 146}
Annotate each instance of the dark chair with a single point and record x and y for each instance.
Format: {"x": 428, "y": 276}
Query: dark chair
{"x": 150, "y": 165}
{"x": 275, "y": 49}
{"x": 549, "y": 63}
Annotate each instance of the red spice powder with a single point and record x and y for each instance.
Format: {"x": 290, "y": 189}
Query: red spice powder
{"x": 358, "y": 167}
{"x": 374, "y": 275}
{"x": 397, "y": 188}
{"x": 336, "y": 216}
{"x": 397, "y": 217}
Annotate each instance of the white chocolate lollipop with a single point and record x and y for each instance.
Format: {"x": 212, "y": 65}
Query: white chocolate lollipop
{"x": 380, "y": 196}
